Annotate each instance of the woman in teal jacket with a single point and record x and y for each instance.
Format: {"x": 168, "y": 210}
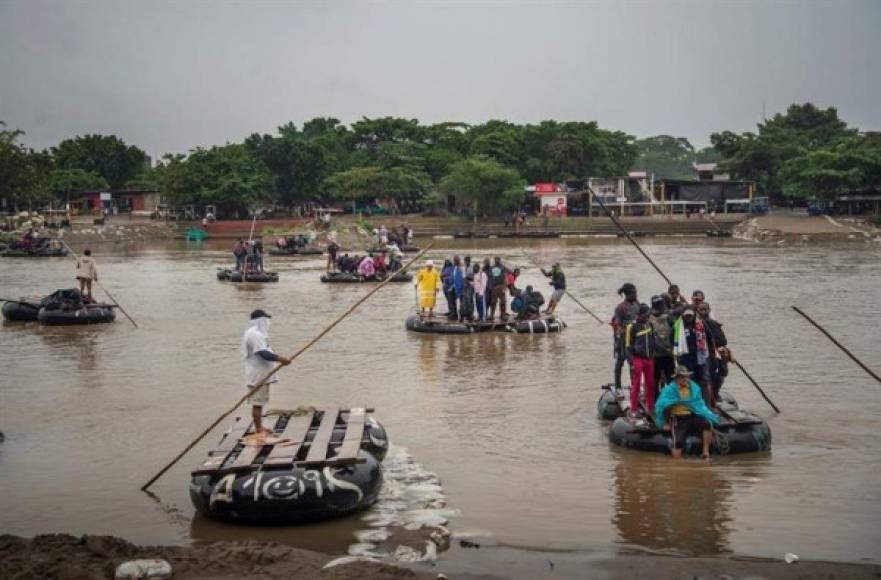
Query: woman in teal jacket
{"x": 683, "y": 404}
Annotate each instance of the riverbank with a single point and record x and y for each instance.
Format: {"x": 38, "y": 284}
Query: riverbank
{"x": 782, "y": 226}
{"x": 66, "y": 556}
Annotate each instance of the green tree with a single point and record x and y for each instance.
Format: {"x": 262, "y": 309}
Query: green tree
{"x": 666, "y": 157}
{"x": 229, "y": 177}
{"x": 824, "y": 173}
{"x": 483, "y": 185}
{"x": 786, "y": 136}
{"x": 106, "y": 155}
{"x": 65, "y": 183}
{"x": 24, "y": 173}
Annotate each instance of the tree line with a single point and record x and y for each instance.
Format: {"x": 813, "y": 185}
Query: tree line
{"x": 805, "y": 152}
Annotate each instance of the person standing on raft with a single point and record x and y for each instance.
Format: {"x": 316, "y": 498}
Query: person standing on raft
{"x": 558, "y": 282}
{"x": 258, "y": 360}
{"x": 428, "y": 283}
{"x": 86, "y": 271}
{"x": 681, "y": 410}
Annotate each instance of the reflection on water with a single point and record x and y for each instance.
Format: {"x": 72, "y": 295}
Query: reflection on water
{"x": 680, "y": 506}
{"x": 506, "y": 422}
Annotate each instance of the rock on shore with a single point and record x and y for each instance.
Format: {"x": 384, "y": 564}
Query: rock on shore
{"x": 62, "y": 557}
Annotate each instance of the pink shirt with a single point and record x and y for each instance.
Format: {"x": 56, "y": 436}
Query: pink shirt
{"x": 366, "y": 267}
{"x": 480, "y": 280}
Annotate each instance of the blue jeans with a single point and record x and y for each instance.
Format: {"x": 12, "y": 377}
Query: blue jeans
{"x": 480, "y": 303}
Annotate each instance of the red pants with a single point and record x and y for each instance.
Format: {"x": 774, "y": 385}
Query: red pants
{"x": 646, "y": 368}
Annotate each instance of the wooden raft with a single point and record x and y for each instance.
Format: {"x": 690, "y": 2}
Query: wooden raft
{"x": 307, "y": 441}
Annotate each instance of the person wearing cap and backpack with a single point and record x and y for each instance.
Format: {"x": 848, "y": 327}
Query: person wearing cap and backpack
{"x": 662, "y": 325}
{"x": 258, "y": 361}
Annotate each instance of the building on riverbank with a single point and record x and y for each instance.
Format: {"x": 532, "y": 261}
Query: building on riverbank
{"x": 130, "y": 200}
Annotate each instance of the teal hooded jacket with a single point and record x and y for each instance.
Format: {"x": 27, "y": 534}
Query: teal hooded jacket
{"x": 695, "y": 403}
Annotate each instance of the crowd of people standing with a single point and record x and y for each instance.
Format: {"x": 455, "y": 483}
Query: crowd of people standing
{"x": 248, "y": 255}
{"x": 654, "y": 339}
{"x": 475, "y": 292}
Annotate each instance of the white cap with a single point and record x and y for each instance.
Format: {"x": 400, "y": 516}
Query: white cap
{"x": 429, "y": 262}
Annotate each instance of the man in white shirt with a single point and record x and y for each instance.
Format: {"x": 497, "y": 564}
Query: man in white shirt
{"x": 258, "y": 361}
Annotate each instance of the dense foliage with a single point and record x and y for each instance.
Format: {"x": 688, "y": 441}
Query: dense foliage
{"x": 804, "y": 152}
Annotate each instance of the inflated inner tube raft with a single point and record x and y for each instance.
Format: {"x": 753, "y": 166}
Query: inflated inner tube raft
{"x": 320, "y": 464}
{"x": 20, "y": 311}
{"x": 296, "y": 252}
{"x": 228, "y": 275}
{"x": 440, "y": 325}
{"x": 346, "y": 278}
{"x": 76, "y": 316}
{"x": 743, "y": 432}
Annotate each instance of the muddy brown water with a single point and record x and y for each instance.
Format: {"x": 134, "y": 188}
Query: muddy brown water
{"x": 506, "y": 422}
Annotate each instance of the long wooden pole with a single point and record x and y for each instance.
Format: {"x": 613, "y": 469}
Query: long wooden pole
{"x": 627, "y": 235}
{"x": 838, "y": 344}
{"x": 755, "y": 384}
{"x": 569, "y": 294}
{"x": 748, "y": 376}
{"x": 109, "y": 295}
{"x": 275, "y": 369}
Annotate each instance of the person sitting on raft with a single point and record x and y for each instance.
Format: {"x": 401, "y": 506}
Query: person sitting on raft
{"x": 526, "y": 303}
{"x": 681, "y": 411}
{"x": 380, "y": 265}
{"x": 367, "y": 268}
{"x": 428, "y": 283}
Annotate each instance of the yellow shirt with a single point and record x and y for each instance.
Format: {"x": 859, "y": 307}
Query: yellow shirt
{"x": 680, "y": 409}
{"x": 429, "y": 283}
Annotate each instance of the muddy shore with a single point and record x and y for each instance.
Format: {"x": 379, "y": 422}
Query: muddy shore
{"x": 62, "y": 556}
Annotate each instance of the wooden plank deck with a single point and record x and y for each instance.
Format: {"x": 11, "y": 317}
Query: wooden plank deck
{"x": 318, "y": 449}
{"x": 296, "y": 431}
{"x": 217, "y": 457}
{"x": 250, "y": 452}
{"x": 348, "y": 452}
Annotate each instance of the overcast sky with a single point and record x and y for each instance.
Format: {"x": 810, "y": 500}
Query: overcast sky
{"x": 169, "y": 76}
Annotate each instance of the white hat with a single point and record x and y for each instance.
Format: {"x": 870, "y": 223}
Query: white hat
{"x": 429, "y": 262}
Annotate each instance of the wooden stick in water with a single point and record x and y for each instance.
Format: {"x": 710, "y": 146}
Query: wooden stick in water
{"x": 839, "y": 345}
{"x": 275, "y": 369}
{"x": 121, "y": 309}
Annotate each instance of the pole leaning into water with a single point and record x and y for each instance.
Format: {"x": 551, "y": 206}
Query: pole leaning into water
{"x": 627, "y": 235}
{"x": 109, "y": 295}
{"x": 664, "y": 276}
{"x": 838, "y": 344}
{"x": 276, "y": 368}
{"x": 569, "y": 294}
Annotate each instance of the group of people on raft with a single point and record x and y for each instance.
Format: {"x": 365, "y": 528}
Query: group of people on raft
{"x": 32, "y": 241}
{"x": 675, "y": 343}
{"x": 248, "y": 255}
{"x": 399, "y": 236}
{"x": 369, "y": 267}
{"x": 474, "y": 291}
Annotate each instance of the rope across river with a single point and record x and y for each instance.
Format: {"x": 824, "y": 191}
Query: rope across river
{"x": 276, "y": 368}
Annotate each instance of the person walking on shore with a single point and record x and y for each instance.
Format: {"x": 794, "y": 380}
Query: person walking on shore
{"x": 86, "y": 271}
{"x": 258, "y": 361}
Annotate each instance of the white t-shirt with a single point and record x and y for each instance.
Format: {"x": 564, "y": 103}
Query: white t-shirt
{"x": 255, "y": 339}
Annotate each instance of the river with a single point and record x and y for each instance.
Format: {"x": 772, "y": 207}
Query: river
{"x": 506, "y": 422}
